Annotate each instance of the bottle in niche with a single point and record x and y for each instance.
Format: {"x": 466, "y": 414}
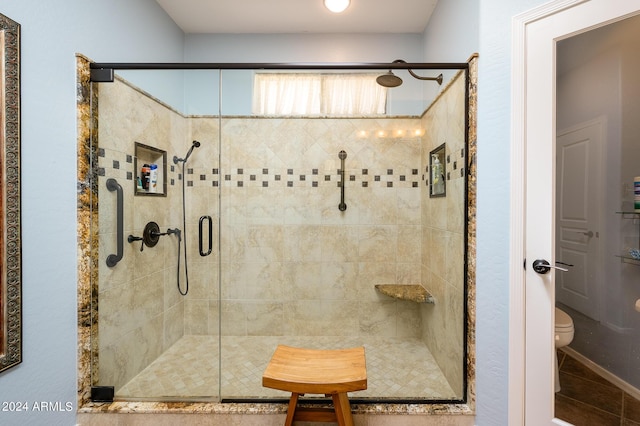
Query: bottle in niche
{"x": 636, "y": 194}
{"x": 437, "y": 178}
{"x": 153, "y": 177}
{"x": 144, "y": 173}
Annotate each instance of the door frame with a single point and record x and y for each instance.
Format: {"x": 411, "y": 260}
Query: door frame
{"x": 534, "y": 34}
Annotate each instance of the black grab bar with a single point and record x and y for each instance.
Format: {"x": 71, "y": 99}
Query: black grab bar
{"x": 342, "y": 206}
{"x": 202, "y": 252}
{"x": 113, "y": 259}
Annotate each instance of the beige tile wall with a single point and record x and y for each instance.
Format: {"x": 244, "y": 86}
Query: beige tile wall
{"x": 140, "y": 311}
{"x": 292, "y": 262}
{"x": 443, "y": 236}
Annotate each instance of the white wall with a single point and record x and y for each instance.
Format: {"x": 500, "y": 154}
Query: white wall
{"x": 298, "y": 48}
{"x": 452, "y": 33}
{"x": 445, "y": 41}
{"x": 492, "y": 273}
{"x": 302, "y": 47}
{"x": 52, "y": 32}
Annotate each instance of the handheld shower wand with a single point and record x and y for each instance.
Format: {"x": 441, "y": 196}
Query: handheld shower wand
{"x": 183, "y": 238}
{"x": 177, "y": 160}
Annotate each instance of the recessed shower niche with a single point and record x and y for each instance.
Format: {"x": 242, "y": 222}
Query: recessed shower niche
{"x": 150, "y": 167}
{"x": 288, "y": 266}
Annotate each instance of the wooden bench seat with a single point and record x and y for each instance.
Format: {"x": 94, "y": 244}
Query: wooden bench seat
{"x": 317, "y": 371}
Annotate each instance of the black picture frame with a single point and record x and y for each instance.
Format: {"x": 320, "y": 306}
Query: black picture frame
{"x": 438, "y": 172}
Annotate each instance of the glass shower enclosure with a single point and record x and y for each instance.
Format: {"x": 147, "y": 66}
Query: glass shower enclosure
{"x": 225, "y": 230}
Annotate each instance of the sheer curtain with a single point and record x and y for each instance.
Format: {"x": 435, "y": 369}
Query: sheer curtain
{"x": 318, "y": 94}
{"x": 286, "y": 94}
{"x": 353, "y": 94}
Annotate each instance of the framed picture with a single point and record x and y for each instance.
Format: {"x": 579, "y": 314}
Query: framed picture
{"x": 10, "y": 230}
{"x": 438, "y": 172}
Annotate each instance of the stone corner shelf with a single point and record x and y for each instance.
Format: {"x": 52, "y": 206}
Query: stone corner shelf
{"x": 412, "y": 292}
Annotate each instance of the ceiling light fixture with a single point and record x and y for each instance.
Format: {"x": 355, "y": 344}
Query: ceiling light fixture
{"x": 336, "y": 6}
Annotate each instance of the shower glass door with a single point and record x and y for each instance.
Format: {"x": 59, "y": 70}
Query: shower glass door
{"x": 322, "y": 201}
{"x": 157, "y": 334}
{"x": 314, "y": 225}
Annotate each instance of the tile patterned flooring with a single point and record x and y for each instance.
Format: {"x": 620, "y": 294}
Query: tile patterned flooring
{"x": 586, "y": 399}
{"x": 396, "y": 368}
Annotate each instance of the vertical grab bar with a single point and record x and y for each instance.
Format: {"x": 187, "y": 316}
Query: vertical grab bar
{"x": 208, "y": 219}
{"x": 342, "y": 155}
{"x": 113, "y": 259}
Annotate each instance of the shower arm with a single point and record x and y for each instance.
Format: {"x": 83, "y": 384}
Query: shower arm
{"x": 437, "y": 79}
{"x": 414, "y": 75}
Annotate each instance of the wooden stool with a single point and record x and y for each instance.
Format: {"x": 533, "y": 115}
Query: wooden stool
{"x": 329, "y": 372}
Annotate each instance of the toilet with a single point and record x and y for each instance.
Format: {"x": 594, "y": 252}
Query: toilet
{"x": 563, "y": 336}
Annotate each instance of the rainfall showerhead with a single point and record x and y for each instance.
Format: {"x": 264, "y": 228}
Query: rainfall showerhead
{"x": 391, "y": 80}
{"x": 177, "y": 160}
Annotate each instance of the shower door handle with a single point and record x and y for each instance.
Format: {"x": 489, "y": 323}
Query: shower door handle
{"x": 113, "y": 259}
{"x": 200, "y": 234}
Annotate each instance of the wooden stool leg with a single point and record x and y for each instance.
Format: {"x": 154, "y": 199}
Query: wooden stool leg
{"x": 343, "y": 409}
{"x": 291, "y": 410}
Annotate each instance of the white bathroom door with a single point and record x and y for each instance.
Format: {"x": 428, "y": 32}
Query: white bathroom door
{"x": 578, "y": 180}
{"x": 533, "y": 203}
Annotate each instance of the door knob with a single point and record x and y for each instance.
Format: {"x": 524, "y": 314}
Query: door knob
{"x": 541, "y": 266}
{"x": 588, "y": 234}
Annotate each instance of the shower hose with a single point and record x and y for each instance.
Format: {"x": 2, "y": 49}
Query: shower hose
{"x": 184, "y": 241}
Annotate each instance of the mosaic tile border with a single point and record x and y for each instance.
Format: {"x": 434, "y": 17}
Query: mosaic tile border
{"x": 120, "y": 165}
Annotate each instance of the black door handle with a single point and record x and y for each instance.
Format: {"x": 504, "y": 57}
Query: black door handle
{"x": 541, "y": 266}
{"x": 200, "y": 232}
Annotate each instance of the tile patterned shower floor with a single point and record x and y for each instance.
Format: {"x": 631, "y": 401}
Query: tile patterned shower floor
{"x": 396, "y": 368}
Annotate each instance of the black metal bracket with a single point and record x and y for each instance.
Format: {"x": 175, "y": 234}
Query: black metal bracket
{"x": 102, "y": 393}
{"x": 101, "y": 75}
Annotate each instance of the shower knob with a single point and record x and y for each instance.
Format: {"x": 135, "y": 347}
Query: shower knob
{"x": 151, "y": 234}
